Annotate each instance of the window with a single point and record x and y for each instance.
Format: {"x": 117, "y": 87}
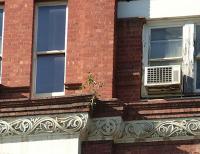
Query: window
{"x": 1, "y": 39}
{"x": 197, "y": 58}
{"x": 168, "y": 43}
{"x": 165, "y": 46}
{"x": 50, "y": 47}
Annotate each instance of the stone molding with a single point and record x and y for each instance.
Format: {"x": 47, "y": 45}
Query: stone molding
{"x": 144, "y": 130}
{"x": 69, "y": 124}
{"x": 107, "y": 128}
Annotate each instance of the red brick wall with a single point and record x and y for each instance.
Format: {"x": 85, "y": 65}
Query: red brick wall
{"x": 129, "y": 58}
{"x": 17, "y": 49}
{"x": 91, "y": 42}
{"x": 108, "y": 147}
{"x": 163, "y": 148}
{"x": 97, "y": 147}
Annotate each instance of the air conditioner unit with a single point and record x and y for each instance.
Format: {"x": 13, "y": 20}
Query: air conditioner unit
{"x": 162, "y": 75}
{"x": 163, "y": 79}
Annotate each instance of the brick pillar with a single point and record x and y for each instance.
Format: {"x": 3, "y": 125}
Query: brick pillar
{"x": 129, "y": 58}
{"x": 91, "y": 42}
{"x": 17, "y": 45}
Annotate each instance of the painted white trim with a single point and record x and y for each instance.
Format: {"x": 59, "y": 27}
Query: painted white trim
{"x": 171, "y": 20}
{"x": 51, "y": 52}
{"x": 66, "y": 36}
{"x": 166, "y": 59}
{"x": 151, "y": 9}
{"x": 35, "y": 53}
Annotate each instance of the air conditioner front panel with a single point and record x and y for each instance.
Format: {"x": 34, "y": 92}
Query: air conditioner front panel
{"x": 162, "y": 75}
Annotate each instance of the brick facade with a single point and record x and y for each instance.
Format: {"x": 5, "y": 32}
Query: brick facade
{"x": 129, "y": 58}
{"x": 17, "y": 45}
{"x": 107, "y": 147}
{"x": 97, "y": 42}
{"x": 164, "y": 148}
{"x": 91, "y": 43}
{"x": 99, "y": 147}
{"x": 96, "y": 57}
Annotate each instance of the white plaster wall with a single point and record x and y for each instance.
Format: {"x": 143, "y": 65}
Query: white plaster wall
{"x": 158, "y": 8}
{"x": 61, "y": 146}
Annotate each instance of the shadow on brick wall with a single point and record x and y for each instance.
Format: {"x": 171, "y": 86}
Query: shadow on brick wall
{"x": 162, "y": 109}
{"x": 14, "y": 92}
{"x": 182, "y": 147}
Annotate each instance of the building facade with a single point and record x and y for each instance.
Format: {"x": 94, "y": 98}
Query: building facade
{"x": 99, "y": 76}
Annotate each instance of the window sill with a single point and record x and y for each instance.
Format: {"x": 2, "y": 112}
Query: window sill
{"x": 73, "y": 86}
{"x": 6, "y": 89}
{"x": 172, "y": 97}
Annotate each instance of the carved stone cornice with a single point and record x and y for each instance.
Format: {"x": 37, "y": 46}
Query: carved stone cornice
{"x": 68, "y": 124}
{"x": 105, "y": 128}
{"x": 144, "y": 130}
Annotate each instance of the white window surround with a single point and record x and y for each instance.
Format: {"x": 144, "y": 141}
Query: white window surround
{"x": 1, "y": 54}
{"x": 48, "y": 52}
{"x": 188, "y": 48}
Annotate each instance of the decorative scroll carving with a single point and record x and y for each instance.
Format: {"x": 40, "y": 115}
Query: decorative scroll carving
{"x": 107, "y": 128}
{"x": 69, "y": 124}
{"x": 162, "y": 129}
{"x": 138, "y": 129}
{"x": 141, "y": 130}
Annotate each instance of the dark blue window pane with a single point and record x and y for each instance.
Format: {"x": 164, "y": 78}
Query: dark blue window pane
{"x": 1, "y": 29}
{"x": 1, "y": 21}
{"x": 166, "y": 33}
{"x": 166, "y": 49}
{"x": 198, "y": 75}
{"x": 50, "y": 73}
{"x": 166, "y": 42}
{"x": 0, "y": 67}
{"x": 197, "y": 47}
{"x": 51, "y": 28}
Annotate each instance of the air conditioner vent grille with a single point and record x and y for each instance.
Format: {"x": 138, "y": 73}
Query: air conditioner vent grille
{"x": 162, "y": 75}
{"x": 159, "y": 75}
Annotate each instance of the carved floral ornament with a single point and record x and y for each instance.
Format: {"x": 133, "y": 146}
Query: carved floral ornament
{"x": 68, "y": 124}
{"x": 144, "y": 130}
{"x": 109, "y": 128}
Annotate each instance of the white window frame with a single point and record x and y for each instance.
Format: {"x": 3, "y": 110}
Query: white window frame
{"x": 1, "y": 55}
{"x": 52, "y": 52}
{"x": 165, "y": 23}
